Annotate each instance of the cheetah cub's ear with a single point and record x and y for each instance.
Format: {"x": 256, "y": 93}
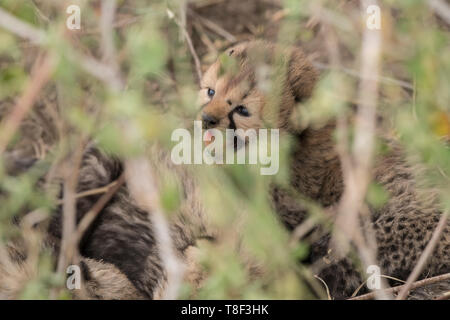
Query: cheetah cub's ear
{"x": 301, "y": 80}
{"x": 299, "y": 77}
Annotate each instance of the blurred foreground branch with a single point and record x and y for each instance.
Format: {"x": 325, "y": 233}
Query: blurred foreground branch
{"x": 356, "y": 163}
{"x": 441, "y": 8}
{"x": 20, "y": 28}
{"x": 97, "y": 69}
{"x": 143, "y": 189}
{"x": 40, "y": 75}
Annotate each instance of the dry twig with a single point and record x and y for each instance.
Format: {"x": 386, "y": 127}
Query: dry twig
{"x": 187, "y": 37}
{"x": 107, "y": 41}
{"x": 90, "y": 65}
{"x": 441, "y": 8}
{"x": 213, "y": 26}
{"x": 92, "y": 192}
{"x": 326, "y": 286}
{"x": 68, "y": 247}
{"x": 445, "y": 296}
{"x": 356, "y": 163}
{"x": 354, "y": 73}
{"x": 20, "y": 28}
{"x": 92, "y": 214}
{"x": 141, "y": 185}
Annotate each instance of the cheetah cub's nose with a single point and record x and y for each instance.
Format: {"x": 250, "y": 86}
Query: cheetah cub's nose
{"x": 209, "y": 121}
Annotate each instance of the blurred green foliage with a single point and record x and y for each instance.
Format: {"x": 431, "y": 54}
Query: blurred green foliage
{"x": 153, "y": 54}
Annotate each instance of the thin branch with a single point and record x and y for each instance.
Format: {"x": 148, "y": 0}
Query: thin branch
{"x": 441, "y": 8}
{"x": 326, "y": 286}
{"x": 70, "y": 243}
{"x": 21, "y": 28}
{"x": 356, "y": 165}
{"x": 382, "y": 276}
{"x": 357, "y": 177}
{"x": 107, "y": 42}
{"x": 41, "y": 74}
{"x": 424, "y": 257}
{"x": 303, "y": 229}
{"x": 206, "y": 3}
{"x": 118, "y": 24}
{"x": 141, "y": 185}
{"x": 445, "y": 296}
{"x": 356, "y": 74}
{"x": 71, "y": 170}
{"x": 198, "y": 66}
{"x": 213, "y": 26}
{"x": 415, "y": 285}
{"x": 204, "y": 38}
{"x": 92, "y": 192}
{"x": 41, "y": 15}
{"x": 92, "y": 214}
{"x": 99, "y": 70}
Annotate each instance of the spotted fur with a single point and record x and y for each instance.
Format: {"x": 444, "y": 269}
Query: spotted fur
{"x": 403, "y": 226}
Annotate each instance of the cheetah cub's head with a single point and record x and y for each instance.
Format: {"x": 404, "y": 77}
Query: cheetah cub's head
{"x": 255, "y": 85}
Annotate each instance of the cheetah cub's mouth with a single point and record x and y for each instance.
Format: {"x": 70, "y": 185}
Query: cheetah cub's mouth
{"x": 236, "y": 142}
{"x": 237, "y": 90}
{"x": 208, "y": 137}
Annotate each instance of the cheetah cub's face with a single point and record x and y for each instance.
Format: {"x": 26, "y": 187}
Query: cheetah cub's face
{"x": 255, "y": 85}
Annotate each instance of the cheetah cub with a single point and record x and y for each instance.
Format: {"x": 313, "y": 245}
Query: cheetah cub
{"x": 234, "y": 96}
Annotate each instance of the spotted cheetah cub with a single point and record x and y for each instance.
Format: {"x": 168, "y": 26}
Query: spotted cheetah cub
{"x": 234, "y": 96}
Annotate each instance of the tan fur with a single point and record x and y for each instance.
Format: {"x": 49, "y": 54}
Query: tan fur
{"x": 105, "y": 280}
{"x": 255, "y": 63}
{"x": 403, "y": 226}
{"x": 13, "y": 277}
{"x": 106, "y": 283}
{"x": 102, "y": 279}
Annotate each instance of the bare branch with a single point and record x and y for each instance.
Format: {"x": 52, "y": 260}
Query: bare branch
{"x": 415, "y": 285}
{"x": 68, "y": 246}
{"x": 441, "y": 8}
{"x": 357, "y": 177}
{"x": 91, "y": 192}
{"x": 20, "y": 28}
{"x": 107, "y": 41}
{"x": 92, "y": 214}
{"x": 99, "y": 70}
{"x": 354, "y": 73}
{"x": 41, "y": 74}
{"x": 213, "y": 26}
{"x": 356, "y": 165}
{"x": 325, "y": 285}
{"x": 445, "y": 296}
{"x": 142, "y": 188}
{"x": 198, "y": 66}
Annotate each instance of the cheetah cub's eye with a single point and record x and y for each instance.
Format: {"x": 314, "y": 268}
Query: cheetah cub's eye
{"x": 210, "y": 92}
{"x": 243, "y": 111}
